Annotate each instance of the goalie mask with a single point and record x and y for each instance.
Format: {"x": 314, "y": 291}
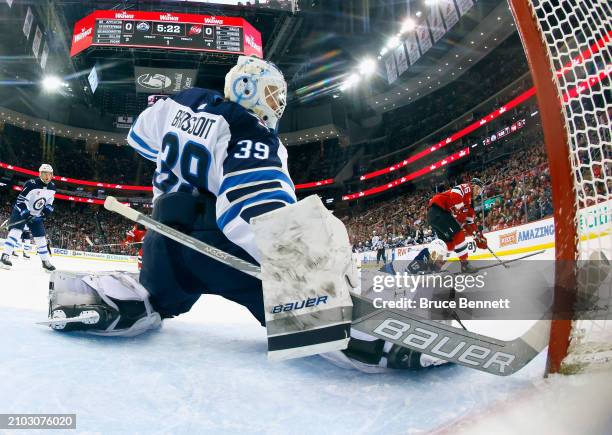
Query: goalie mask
{"x": 259, "y": 86}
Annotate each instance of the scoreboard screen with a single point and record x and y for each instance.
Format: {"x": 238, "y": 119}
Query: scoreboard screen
{"x": 232, "y": 35}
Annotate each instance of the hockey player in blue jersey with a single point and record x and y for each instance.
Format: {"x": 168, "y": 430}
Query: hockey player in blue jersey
{"x": 34, "y": 204}
{"x": 222, "y": 178}
{"x": 220, "y": 163}
{"x": 24, "y": 245}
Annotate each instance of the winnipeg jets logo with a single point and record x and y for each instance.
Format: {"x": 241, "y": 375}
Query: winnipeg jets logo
{"x": 39, "y": 204}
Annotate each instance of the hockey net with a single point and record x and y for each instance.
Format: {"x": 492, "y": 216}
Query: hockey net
{"x": 568, "y": 44}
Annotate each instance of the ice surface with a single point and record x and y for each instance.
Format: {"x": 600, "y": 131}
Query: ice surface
{"x": 206, "y": 372}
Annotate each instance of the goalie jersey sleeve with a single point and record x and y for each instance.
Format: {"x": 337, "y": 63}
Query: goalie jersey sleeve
{"x": 147, "y": 131}
{"x": 202, "y": 142}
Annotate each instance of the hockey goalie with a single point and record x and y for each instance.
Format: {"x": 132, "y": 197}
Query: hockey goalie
{"x": 222, "y": 178}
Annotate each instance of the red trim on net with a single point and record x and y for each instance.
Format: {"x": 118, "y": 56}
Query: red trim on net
{"x": 557, "y": 148}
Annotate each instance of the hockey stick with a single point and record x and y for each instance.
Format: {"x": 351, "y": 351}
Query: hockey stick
{"x": 496, "y": 257}
{"x": 112, "y": 204}
{"x": 7, "y": 225}
{"x": 506, "y": 262}
{"x": 87, "y": 239}
{"x": 399, "y": 327}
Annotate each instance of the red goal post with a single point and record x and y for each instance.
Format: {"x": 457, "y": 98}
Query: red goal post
{"x": 569, "y": 51}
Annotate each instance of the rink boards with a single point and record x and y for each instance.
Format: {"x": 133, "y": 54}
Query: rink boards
{"x": 594, "y": 222}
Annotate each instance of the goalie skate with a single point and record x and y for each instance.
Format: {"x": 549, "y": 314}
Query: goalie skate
{"x": 103, "y": 303}
{"x": 80, "y": 318}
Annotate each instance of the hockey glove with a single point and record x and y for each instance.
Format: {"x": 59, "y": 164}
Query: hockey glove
{"x": 480, "y": 240}
{"x": 46, "y": 211}
{"x": 25, "y": 215}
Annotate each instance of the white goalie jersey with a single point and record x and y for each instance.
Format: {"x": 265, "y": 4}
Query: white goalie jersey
{"x": 202, "y": 142}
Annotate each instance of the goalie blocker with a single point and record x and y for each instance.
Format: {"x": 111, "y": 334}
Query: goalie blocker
{"x": 306, "y": 272}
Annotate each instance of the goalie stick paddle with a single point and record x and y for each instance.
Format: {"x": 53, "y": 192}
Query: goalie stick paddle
{"x": 403, "y": 328}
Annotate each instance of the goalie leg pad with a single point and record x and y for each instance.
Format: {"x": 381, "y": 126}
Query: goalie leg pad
{"x": 122, "y": 304}
{"x": 307, "y": 272}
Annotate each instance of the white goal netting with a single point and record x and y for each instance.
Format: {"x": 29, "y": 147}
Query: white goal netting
{"x": 577, "y": 35}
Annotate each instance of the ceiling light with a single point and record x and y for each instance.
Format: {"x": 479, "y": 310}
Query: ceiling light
{"x": 407, "y": 25}
{"x": 393, "y": 42}
{"x": 52, "y": 83}
{"x": 367, "y": 66}
{"x": 352, "y": 80}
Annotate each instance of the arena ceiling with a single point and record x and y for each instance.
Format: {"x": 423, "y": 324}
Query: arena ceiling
{"x": 316, "y": 48}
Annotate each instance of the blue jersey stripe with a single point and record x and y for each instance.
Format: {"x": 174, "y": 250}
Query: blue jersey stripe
{"x": 141, "y": 142}
{"x": 250, "y": 212}
{"x": 235, "y": 209}
{"x": 249, "y": 177}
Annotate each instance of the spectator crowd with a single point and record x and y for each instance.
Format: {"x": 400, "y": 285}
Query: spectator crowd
{"x": 518, "y": 188}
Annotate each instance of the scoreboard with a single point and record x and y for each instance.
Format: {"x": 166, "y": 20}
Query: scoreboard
{"x": 233, "y": 35}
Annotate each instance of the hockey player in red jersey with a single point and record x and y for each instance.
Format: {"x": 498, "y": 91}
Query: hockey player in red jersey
{"x": 451, "y": 215}
{"x": 136, "y": 235}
